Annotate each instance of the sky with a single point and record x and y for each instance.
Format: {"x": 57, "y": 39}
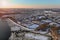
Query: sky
{"x": 30, "y": 3}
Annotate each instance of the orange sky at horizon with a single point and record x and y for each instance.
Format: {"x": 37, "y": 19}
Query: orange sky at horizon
{"x": 35, "y": 6}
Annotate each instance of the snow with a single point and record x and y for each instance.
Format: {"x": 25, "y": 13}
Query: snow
{"x": 33, "y": 26}
{"x": 15, "y": 28}
{"x": 36, "y": 36}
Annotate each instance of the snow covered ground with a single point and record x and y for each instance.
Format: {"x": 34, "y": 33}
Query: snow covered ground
{"x": 30, "y": 36}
